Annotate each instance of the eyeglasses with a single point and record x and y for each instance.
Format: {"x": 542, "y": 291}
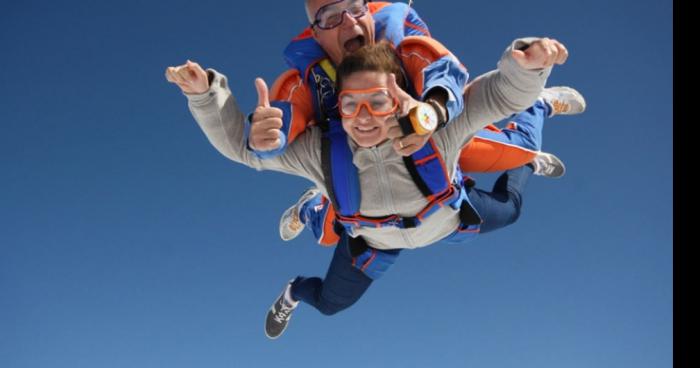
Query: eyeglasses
{"x": 332, "y": 15}
{"x": 378, "y": 102}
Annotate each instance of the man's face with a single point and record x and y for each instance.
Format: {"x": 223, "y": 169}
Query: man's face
{"x": 347, "y": 37}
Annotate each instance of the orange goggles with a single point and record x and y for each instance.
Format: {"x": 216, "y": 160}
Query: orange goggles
{"x": 377, "y": 101}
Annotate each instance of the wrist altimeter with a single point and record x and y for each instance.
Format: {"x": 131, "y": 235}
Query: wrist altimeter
{"x": 421, "y": 119}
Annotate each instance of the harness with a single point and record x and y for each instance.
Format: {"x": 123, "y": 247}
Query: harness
{"x": 426, "y": 167}
{"x": 321, "y": 80}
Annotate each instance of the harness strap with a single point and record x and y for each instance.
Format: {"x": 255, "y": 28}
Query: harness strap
{"x": 340, "y": 174}
{"x": 321, "y": 80}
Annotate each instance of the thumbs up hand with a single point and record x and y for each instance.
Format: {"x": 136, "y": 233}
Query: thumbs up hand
{"x": 265, "y": 131}
{"x": 406, "y": 102}
{"x": 409, "y": 144}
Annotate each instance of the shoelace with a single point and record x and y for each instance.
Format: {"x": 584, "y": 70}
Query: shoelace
{"x": 544, "y": 166}
{"x": 282, "y": 315}
{"x": 548, "y": 169}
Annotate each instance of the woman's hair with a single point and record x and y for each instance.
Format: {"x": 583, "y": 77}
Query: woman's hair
{"x": 380, "y": 57}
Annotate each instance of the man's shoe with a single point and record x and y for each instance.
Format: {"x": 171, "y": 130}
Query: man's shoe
{"x": 563, "y": 101}
{"x": 290, "y": 222}
{"x": 546, "y": 164}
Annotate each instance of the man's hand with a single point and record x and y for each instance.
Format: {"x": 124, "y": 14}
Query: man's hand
{"x": 190, "y": 77}
{"x": 403, "y": 145}
{"x": 542, "y": 53}
{"x": 265, "y": 133}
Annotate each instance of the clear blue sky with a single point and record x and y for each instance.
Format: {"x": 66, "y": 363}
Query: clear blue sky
{"x": 126, "y": 240}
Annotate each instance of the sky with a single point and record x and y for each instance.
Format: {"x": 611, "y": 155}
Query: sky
{"x": 127, "y": 240}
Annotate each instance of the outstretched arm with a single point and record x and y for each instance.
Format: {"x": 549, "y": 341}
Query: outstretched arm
{"x": 217, "y": 113}
{"x": 521, "y": 75}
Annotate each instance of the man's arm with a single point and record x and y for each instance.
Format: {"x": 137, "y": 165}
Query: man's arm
{"x": 435, "y": 73}
{"x": 437, "y": 78}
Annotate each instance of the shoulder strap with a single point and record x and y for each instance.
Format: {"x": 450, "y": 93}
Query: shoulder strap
{"x": 426, "y": 167}
{"x": 340, "y": 174}
{"x": 321, "y": 80}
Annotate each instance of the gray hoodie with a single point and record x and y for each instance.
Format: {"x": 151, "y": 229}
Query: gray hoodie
{"x": 386, "y": 186}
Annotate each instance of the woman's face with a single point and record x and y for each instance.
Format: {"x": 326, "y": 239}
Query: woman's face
{"x": 362, "y": 92}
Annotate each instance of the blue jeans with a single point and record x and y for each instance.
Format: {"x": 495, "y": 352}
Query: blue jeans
{"x": 345, "y": 284}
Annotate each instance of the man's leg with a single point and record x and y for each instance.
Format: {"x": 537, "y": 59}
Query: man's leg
{"x": 494, "y": 149}
{"x": 501, "y": 207}
{"x": 319, "y": 216}
{"x": 314, "y": 211}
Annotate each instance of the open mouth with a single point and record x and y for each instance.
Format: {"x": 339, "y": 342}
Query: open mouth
{"x": 354, "y": 44}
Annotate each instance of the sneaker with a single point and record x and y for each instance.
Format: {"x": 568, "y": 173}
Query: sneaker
{"x": 563, "y": 101}
{"x": 279, "y": 314}
{"x": 546, "y": 164}
{"x": 290, "y": 223}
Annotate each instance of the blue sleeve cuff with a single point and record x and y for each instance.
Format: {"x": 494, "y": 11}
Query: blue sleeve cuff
{"x": 286, "y": 108}
{"x": 448, "y": 74}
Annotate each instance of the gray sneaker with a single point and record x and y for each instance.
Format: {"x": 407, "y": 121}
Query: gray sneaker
{"x": 546, "y": 164}
{"x": 290, "y": 223}
{"x": 279, "y": 314}
{"x": 563, "y": 100}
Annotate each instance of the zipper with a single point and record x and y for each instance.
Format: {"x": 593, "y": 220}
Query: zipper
{"x": 385, "y": 192}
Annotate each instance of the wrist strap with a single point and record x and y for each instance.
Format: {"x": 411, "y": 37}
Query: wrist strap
{"x": 439, "y": 110}
{"x": 406, "y": 125}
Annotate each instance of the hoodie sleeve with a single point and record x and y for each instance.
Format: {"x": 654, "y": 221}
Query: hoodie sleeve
{"x": 494, "y": 96}
{"x": 217, "y": 113}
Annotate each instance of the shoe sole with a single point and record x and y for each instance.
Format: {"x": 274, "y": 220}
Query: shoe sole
{"x": 305, "y": 197}
{"x": 578, "y": 97}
